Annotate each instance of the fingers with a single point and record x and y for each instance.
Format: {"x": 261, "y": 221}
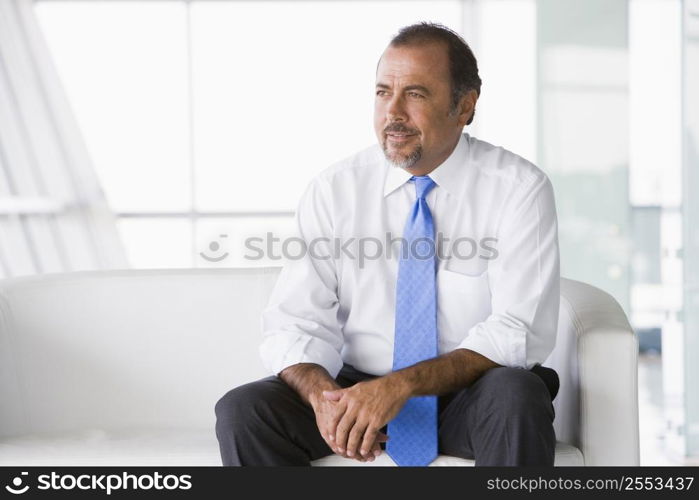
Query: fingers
{"x": 364, "y": 441}
{"x": 328, "y": 414}
{"x": 376, "y": 450}
{"x": 343, "y": 430}
{"x": 326, "y": 437}
{"x": 380, "y": 438}
{"x": 333, "y": 420}
{"x": 356, "y": 438}
{"x": 370, "y": 453}
{"x": 370, "y": 434}
{"x": 373, "y": 453}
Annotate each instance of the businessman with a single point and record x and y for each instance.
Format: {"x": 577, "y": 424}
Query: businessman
{"x": 428, "y": 335}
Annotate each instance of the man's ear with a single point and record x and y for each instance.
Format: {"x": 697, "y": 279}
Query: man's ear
{"x": 467, "y": 106}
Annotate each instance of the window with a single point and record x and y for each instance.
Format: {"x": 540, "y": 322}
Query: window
{"x": 209, "y": 117}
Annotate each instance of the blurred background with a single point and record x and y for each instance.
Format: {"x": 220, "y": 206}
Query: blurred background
{"x": 162, "y": 133}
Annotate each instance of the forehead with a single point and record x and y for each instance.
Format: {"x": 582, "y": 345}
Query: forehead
{"x": 427, "y": 62}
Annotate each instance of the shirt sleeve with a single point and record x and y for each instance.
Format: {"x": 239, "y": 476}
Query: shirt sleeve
{"x": 524, "y": 278}
{"x": 299, "y": 324}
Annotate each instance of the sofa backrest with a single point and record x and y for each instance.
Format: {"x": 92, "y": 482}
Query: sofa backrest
{"x": 116, "y": 350}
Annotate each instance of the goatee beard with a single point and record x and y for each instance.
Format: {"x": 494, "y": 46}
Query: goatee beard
{"x": 407, "y": 161}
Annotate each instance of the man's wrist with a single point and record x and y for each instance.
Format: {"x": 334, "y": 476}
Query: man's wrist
{"x": 309, "y": 380}
{"x": 401, "y": 382}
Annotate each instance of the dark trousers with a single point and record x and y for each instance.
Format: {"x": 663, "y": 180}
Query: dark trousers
{"x": 504, "y": 418}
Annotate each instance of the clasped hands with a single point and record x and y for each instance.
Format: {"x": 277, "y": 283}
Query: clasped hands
{"x": 350, "y": 420}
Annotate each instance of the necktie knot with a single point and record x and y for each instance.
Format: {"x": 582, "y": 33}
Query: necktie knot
{"x": 423, "y": 185}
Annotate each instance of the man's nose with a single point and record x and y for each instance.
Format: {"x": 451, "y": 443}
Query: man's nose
{"x": 395, "y": 110}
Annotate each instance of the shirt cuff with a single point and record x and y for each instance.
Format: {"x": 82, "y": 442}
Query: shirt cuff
{"x": 282, "y": 350}
{"x": 510, "y": 348}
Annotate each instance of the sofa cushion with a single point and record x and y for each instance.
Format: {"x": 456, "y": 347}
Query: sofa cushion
{"x": 566, "y": 455}
{"x": 151, "y": 447}
{"x": 97, "y": 447}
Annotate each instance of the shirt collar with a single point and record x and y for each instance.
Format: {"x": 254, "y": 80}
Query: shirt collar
{"x": 450, "y": 175}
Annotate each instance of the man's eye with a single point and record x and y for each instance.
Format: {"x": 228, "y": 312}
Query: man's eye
{"x": 415, "y": 94}
{"x": 381, "y": 92}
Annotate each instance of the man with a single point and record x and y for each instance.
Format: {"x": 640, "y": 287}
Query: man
{"x": 427, "y": 352}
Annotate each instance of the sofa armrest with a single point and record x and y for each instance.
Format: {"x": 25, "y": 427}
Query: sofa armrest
{"x": 607, "y": 355}
{"x": 608, "y": 363}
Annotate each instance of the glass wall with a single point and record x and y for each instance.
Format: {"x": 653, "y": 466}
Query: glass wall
{"x": 583, "y": 136}
{"x": 690, "y": 138}
{"x": 227, "y": 137}
{"x": 214, "y": 126}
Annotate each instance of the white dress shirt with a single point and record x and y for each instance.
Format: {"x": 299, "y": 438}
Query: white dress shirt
{"x": 328, "y": 307}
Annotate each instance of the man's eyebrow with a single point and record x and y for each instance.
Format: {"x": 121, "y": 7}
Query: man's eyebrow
{"x": 421, "y": 88}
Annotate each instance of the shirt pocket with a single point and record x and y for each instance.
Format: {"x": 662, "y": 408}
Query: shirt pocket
{"x": 463, "y": 299}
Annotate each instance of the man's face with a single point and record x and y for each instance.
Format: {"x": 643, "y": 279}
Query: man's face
{"x": 412, "y": 117}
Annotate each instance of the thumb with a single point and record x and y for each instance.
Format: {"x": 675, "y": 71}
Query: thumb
{"x": 333, "y": 395}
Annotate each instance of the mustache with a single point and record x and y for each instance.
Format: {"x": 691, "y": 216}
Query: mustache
{"x": 397, "y": 127}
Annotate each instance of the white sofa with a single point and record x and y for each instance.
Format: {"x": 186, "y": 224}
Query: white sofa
{"x": 125, "y": 367}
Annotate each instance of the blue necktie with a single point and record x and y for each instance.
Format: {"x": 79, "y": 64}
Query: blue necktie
{"x": 413, "y": 433}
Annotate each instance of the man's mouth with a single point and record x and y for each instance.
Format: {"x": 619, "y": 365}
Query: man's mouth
{"x": 399, "y": 137}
